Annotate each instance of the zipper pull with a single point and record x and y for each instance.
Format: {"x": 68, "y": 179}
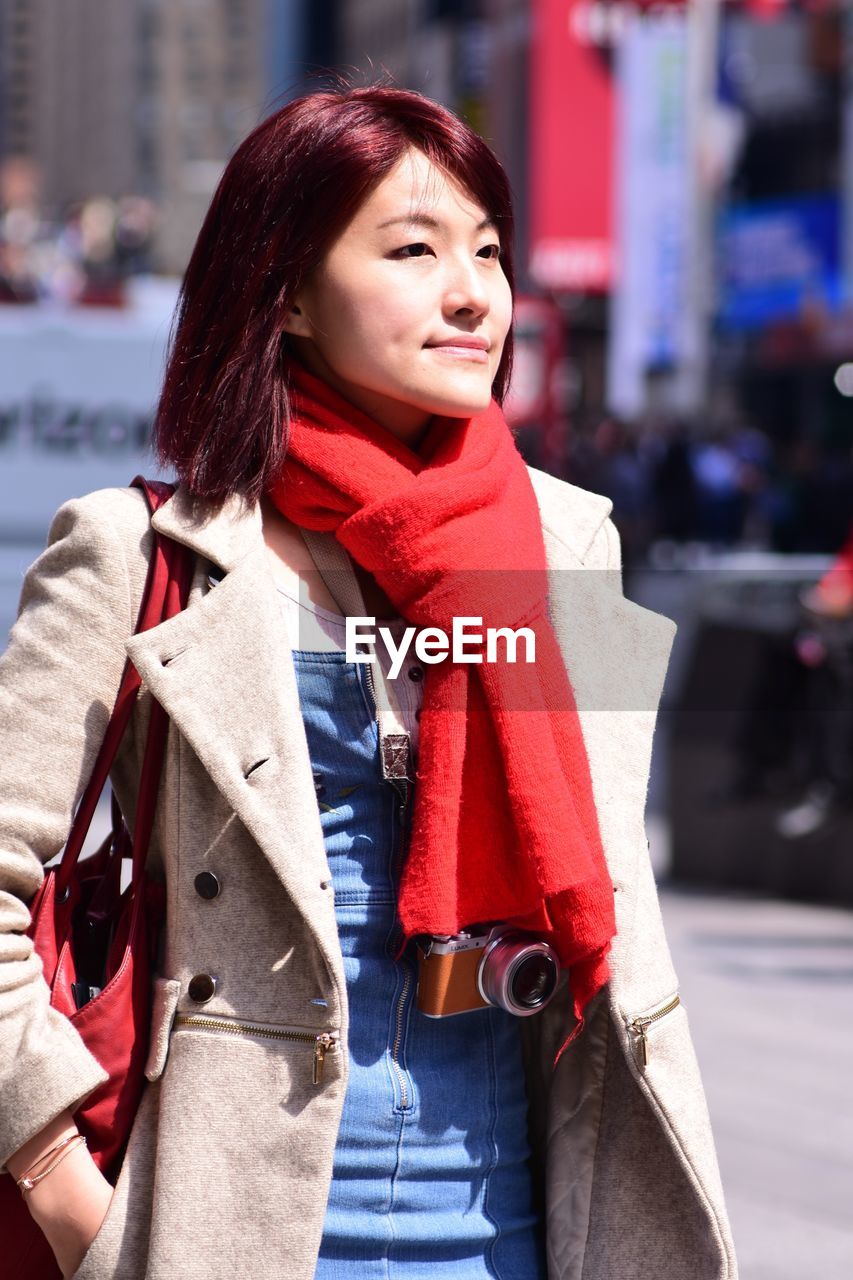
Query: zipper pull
{"x": 322, "y": 1045}
{"x": 640, "y": 1024}
{"x": 639, "y": 1030}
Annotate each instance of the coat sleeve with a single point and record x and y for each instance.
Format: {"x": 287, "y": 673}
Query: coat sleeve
{"x": 58, "y": 680}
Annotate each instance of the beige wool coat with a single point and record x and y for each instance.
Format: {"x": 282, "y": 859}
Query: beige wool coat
{"x": 230, "y": 1158}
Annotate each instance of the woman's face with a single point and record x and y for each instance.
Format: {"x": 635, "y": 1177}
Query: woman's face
{"x": 407, "y": 314}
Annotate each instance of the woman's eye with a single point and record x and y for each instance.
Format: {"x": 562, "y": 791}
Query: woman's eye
{"x": 413, "y": 250}
{"x": 420, "y": 250}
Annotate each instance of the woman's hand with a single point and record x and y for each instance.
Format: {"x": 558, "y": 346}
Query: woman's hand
{"x": 70, "y": 1204}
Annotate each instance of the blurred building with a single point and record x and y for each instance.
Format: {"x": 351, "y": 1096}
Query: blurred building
{"x": 67, "y": 93}
{"x": 471, "y": 55}
{"x": 143, "y": 97}
{"x": 378, "y": 34}
{"x": 150, "y": 97}
{"x": 203, "y": 85}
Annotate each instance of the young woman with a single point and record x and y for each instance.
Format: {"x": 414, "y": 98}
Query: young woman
{"x": 331, "y": 407}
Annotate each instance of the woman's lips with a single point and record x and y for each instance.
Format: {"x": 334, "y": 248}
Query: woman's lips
{"x": 477, "y": 354}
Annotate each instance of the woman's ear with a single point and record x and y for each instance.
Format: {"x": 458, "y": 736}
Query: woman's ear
{"x": 297, "y": 323}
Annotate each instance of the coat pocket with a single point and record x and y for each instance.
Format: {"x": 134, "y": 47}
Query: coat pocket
{"x": 323, "y": 1043}
{"x": 119, "y": 1247}
{"x": 90, "y": 1268}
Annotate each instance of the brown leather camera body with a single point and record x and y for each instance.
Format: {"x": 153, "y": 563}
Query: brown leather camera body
{"x": 447, "y": 976}
{"x": 500, "y": 966}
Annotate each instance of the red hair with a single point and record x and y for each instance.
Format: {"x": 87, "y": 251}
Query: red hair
{"x": 287, "y": 193}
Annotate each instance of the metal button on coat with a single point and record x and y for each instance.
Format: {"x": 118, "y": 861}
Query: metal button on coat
{"x": 416, "y": 673}
{"x": 206, "y": 885}
{"x": 202, "y": 987}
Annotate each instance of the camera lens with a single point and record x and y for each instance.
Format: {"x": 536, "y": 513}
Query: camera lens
{"x": 533, "y": 980}
{"x": 518, "y": 973}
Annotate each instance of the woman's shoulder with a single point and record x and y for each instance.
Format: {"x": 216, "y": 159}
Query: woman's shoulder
{"x": 121, "y": 510}
{"x": 106, "y": 532}
{"x": 578, "y": 517}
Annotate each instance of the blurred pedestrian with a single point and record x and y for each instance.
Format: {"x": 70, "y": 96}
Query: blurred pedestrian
{"x": 826, "y": 648}
{"x": 674, "y": 486}
{"x": 721, "y": 506}
{"x": 623, "y": 476}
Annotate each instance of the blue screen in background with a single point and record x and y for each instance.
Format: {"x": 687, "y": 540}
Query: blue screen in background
{"x": 777, "y": 255}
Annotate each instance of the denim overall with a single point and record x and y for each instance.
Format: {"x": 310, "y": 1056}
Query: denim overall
{"x": 430, "y": 1171}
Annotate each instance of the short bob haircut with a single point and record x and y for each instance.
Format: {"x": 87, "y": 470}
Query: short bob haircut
{"x": 287, "y": 193}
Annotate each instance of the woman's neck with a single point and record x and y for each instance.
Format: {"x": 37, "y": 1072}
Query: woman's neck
{"x": 293, "y": 562}
{"x": 406, "y": 422}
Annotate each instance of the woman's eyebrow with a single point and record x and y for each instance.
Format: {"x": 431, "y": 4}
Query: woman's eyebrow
{"x": 426, "y": 220}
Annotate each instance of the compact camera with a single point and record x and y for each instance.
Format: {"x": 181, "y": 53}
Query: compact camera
{"x": 513, "y": 970}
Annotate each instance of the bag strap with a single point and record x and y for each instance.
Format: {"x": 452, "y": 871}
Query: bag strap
{"x": 165, "y": 595}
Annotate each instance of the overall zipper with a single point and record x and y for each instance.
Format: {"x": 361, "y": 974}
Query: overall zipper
{"x": 324, "y": 1042}
{"x": 398, "y": 1037}
{"x": 640, "y": 1025}
{"x": 368, "y": 675}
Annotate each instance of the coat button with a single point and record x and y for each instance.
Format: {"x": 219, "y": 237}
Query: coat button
{"x": 202, "y": 987}
{"x": 416, "y": 673}
{"x": 206, "y": 885}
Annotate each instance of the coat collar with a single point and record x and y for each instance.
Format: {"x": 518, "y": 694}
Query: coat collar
{"x": 223, "y": 534}
{"x": 571, "y": 515}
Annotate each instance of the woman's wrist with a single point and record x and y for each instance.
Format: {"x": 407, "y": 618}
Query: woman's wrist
{"x": 63, "y": 1126}
{"x": 45, "y": 1165}
{"x": 72, "y": 1193}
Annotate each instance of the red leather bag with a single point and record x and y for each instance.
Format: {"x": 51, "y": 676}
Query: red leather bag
{"x": 97, "y": 943}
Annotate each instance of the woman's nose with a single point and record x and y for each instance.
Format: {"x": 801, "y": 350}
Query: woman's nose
{"x": 466, "y": 292}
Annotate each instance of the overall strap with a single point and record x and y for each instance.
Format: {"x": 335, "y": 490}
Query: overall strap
{"x": 335, "y": 568}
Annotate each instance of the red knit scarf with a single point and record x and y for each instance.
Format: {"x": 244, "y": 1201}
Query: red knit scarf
{"x": 504, "y": 827}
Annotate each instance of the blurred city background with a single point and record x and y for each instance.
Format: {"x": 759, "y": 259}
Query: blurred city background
{"x": 684, "y": 184}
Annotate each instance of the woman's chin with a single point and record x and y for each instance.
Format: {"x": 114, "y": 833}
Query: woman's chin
{"x": 460, "y": 406}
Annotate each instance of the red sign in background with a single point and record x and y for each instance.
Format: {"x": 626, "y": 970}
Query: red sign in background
{"x": 572, "y": 132}
{"x": 571, "y": 143}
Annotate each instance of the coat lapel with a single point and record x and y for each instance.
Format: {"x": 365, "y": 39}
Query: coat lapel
{"x": 223, "y": 672}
